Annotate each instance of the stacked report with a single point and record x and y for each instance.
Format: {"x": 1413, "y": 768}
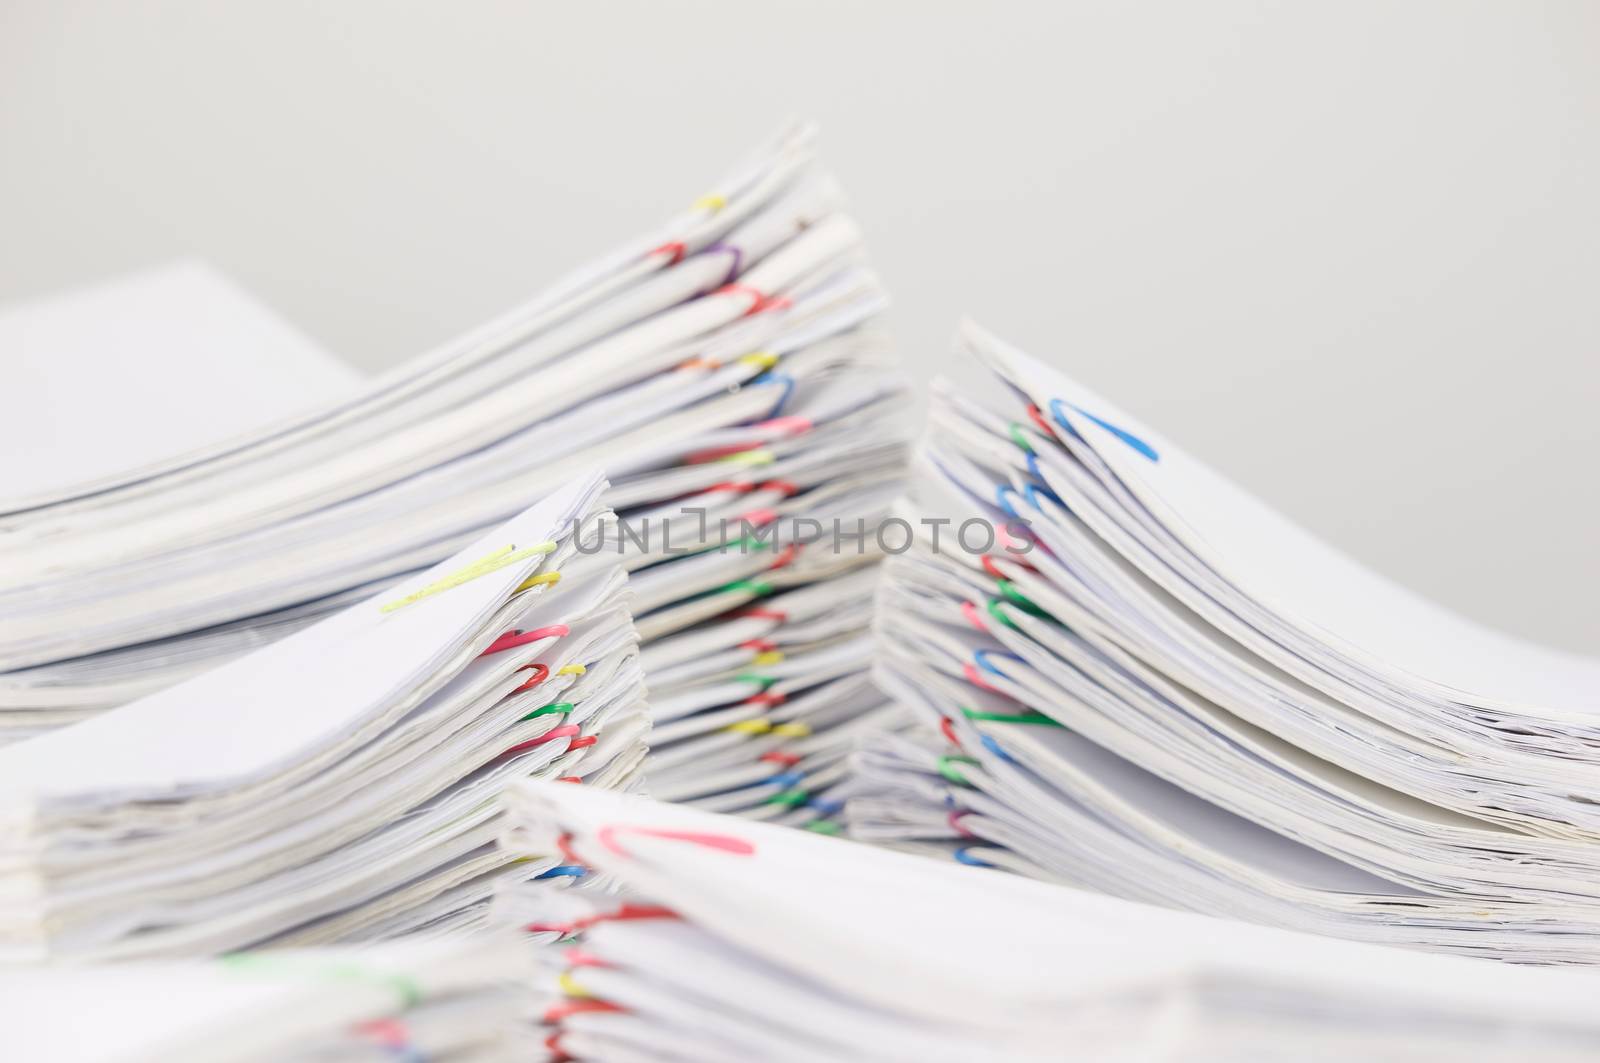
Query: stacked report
{"x": 459, "y": 998}
{"x": 343, "y": 783}
{"x": 1149, "y": 683}
{"x": 771, "y": 740}
{"x": 736, "y": 941}
{"x": 728, "y": 374}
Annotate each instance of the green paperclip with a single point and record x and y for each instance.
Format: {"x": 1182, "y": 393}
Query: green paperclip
{"x": 950, "y": 772}
{"x": 759, "y": 588}
{"x": 1031, "y": 716}
{"x": 1018, "y": 438}
{"x": 750, "y": 677}
{"x": 1022, "y": 601}
{"x": 999, "y": 614}
{"x": 548, "y": 710}
{"x": 823, "y": 826}
{"x": 744, "y": 542}
{"x": 788, "y": 797}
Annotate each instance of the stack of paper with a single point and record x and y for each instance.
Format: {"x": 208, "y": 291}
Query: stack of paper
{"x": 1162, "y": 689}
{"x": 738, "y": 941}
{"x": 727, "y": 374}
{"x": 771, "y": 740}
{"x": 342, "y": 783}
{"x": 463, "y": 998}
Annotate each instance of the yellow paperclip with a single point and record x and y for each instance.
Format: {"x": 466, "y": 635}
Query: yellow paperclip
{"x": 770, "y": 657}
{"x": 571, "y": 669}
{"x": 543, "y": 579}
{"x": 712, "y": 202}
{"x": 750, "y": 727}
{"x": 749, "y": 457}
{"x": 506, "y": 555}
{"x": 759, "y": 359}
{"x": 570, "y": 986}
{"x": 792, "y": 730}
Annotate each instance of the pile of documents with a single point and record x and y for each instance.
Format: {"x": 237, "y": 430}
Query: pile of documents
{"x": 772, "y": 740}
{"x": 1149, "y": 683}
{"x": 463, "y": 998}
{"x": 736, "y": 941}
{"x": 343, "y": 783}
{"x": 728, "y": 375}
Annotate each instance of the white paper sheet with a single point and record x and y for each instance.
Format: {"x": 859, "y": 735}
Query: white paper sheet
{"x": 103, "y": 380}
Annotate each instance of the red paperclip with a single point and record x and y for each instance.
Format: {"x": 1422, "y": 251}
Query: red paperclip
{"x": 541, "y": 672}
{"x": 725, "y": 842}
{"x": 566, "y": 730}
{"x": 557, "y": 1012}
{"x": 621, "y": 914}
{"x": 759, "y": 300}
{"x": 675, "y": 248}
{"x": 792, "y": 425}
{"x": 971, "y": 672}
{"x": 1014, "y": 546}
{"x": 628, "y": 912}
{"x": 576, "y": 957}
{"x": 390, "y": 1033}
{"x": 512, "y": 639}
{"x": 765, "y": 614}
{"x": 1044, "y": 426}
{"x": 564, "y": 846}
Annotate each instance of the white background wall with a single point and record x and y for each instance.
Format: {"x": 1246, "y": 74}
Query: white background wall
{"x": 1347, "y": 251}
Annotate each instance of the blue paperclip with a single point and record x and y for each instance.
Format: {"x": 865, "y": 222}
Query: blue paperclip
{"x": 981, "y": 657}
{"x": 770, "y": 377}
{"x": 565, "y": 871}
{"x": 1034, "y": 492}
{"x": 1031, "y": 491}
{"x": 786, "y": 780}
{"x": 1121, "y": 433}
{"x": 1058, "y": 411}
{"x": 994, "y": 747}
{"x": 1003, "y": 502}
{"x": 826, "y": 807}
{"x": 964, "y": 857}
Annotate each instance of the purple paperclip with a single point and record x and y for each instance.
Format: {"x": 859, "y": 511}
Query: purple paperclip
{"x": 738, "y": 259}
